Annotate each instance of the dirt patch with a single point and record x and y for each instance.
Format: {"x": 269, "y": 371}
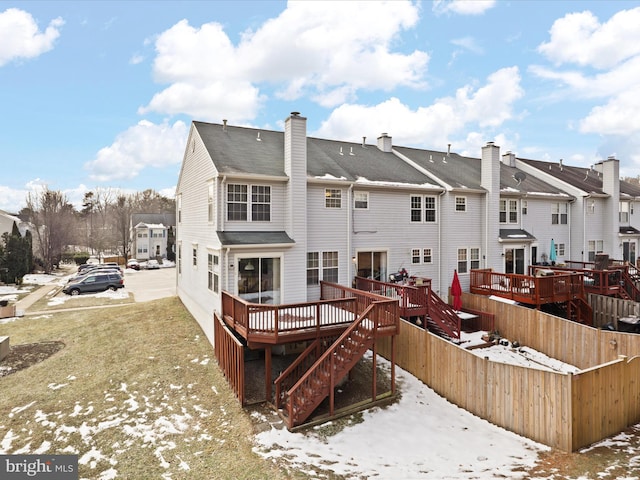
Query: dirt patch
{"x": 23, "y": 356}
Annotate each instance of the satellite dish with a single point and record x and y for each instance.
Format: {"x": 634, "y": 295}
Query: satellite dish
{"x": 519, "y": 176}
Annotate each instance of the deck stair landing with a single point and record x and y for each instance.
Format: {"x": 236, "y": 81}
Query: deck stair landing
{"x": 319, "y": 382}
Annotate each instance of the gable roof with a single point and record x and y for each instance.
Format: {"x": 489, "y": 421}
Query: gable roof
{"x": 239, "y": 150}
{"x": 513, "y": 180}
{"x": 588, "y": 180}
{"x": 166, "y": 219}
{"x": 365, "y": 164}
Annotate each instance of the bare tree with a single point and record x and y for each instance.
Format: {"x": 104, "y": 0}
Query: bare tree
{"x": 122, "y": 210}
{"x": 53, "y": 218}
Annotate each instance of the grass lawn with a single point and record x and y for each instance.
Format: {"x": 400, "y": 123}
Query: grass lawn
{"x": 135, "y": 393}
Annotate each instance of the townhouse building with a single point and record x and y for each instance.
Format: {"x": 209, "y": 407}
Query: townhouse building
{"x": 267, "y": 215}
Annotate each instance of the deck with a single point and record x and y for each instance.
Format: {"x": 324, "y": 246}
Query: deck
{"x": 544, "y": 288}
{"x": 265, "y": 324}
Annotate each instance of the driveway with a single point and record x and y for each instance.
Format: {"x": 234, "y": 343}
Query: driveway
{"x": 148, "y": 285}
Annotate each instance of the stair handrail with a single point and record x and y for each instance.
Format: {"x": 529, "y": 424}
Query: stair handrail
{"x": 630, "y": 286}
{"x": 291, "y": 369}
{"x": 328, "y": 357}
{"x": 444, "y": 314}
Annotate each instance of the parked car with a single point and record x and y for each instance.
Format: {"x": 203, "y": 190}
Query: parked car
{"x": 152, "y": 265}
{"x": 133, "y": 264}
{"x": 100, "y": 266}
{"x": 80, "y": 276}
{"x": 95, "y": 282}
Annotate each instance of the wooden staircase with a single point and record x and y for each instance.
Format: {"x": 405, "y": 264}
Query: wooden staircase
{"x": 442, "y": 318}
{"x": 319, "y": 381}
{"x": 629, "y": 290}
{"x": 580, "y": 311}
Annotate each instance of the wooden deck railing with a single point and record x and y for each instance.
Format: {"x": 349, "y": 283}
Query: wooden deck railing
{"x": 613, "y": 282}
{"x": 413, "y": 299}
{"x": 528, "y": 289}
{"x": 273, "y": 324}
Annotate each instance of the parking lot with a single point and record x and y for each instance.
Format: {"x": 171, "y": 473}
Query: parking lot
{"x": 148, "y": 285}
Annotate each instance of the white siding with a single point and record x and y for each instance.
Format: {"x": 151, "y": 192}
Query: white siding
{"x": 194, "y": 230}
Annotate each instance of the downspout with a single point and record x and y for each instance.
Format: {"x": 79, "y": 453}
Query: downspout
{"x": 584, "y": 225}
{"x": 440, "y": 244}
{"x": 227, "y": 271}
{"x": 349, "y": 231}
{"x": 222, "y": 184}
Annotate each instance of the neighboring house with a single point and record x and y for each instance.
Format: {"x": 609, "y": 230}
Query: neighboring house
{"x": 7, "y": 221}
{"x": 150, "y": 235}
{"x": 267, "y": 215}
{"x": 602, "y": 217}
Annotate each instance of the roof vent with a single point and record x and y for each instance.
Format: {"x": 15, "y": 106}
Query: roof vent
{"x": 341, "y": 151}
{"x": 295, "y": 114}
{"x": 448, "y": 149}
{"x": 364, "y": 140}
{"x": 258, "y": 137}
{"x": 224, "y": 125}
{"x": 560, "y": 163}
{"x": 351, "y": 152}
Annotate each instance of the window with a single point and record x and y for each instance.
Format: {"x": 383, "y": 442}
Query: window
{"x": 179, "y": 202}
{"x": 560, "y": 249}
{"x": 213, "y": 279}
{"x": 429, "y": 208}
{"x": 330, "y": 267}
{"x": 333, "y": 198}
{"x": 508, "y": 211}
{"x": 513, "y": 211}
{"x": 313, "y": 268}
{"x": 462, "y": 260}
{"x": 236, "y": 202}
{"x": 594, "y": 247}
{"x": 525, "y": 207}
{"x": 461, "y": 204}
{"x": 210, "y": 203}
{"x": 416, "y": 209}
{"x": 623, "y": 210}
{"x": 179, "y": 258}
{"x": 261, "y": 203}
{"x": 591, "y": 207}
{"x": 421, "y": 255}
{"x": 475, "y": 258}
{"x": 559, "y": 214}
{"x": 195, "y": 256}
{"x": 361, "y": 200}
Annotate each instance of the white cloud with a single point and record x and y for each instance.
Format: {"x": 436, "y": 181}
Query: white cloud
{"x": 611, "y": 50}
{"x": 462, "y": 7}
{"x": 485, "y": 107}
{"x": 579, "y": 38}
{"x": 327, "y": 54}
{"x": 21, "y": 38}
{"x": 468, "y": 43}
{"x": 141, "y": 146}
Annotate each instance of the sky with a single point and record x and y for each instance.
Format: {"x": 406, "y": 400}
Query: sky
{"x": 100, "y": 95}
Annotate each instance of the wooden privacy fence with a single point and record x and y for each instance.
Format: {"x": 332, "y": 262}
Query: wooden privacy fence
{"x": 557, "y": 409}
{"x": 230, "y": 356}
{"x": 610, "y": 309}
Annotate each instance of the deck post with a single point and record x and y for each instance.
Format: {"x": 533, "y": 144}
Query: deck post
{"x": 393, "y": 364}
{"x": 374, "y": 379}
{"x": 267, "y": 373}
